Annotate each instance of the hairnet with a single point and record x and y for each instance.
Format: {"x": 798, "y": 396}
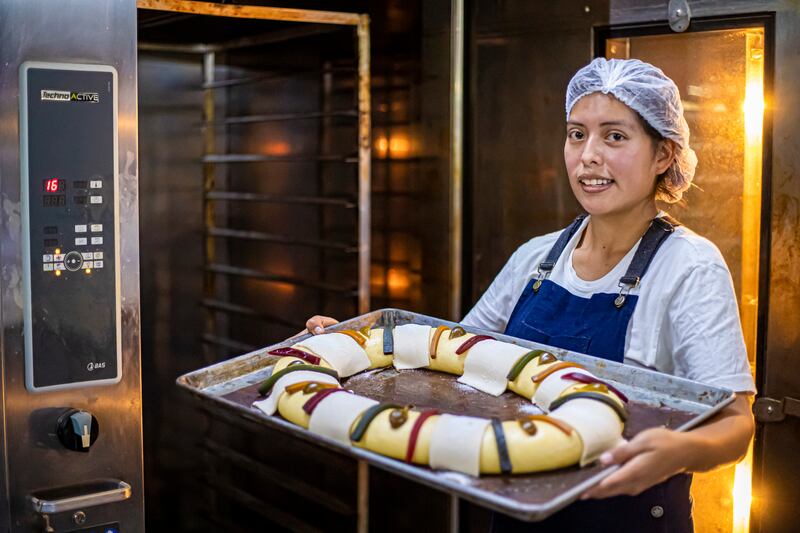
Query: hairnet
{"x": 648, "y": 91}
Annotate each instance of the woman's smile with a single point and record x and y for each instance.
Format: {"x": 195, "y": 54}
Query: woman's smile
{"x": 594, "y": 183}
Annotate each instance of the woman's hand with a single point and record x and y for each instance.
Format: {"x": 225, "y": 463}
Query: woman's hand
{"x": 651, "y": 457}
{"x": 656, "y": 454}
{"x": 316, "y": 324}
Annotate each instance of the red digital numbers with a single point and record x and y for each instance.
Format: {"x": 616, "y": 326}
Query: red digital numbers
{"x": 52, "y": 185}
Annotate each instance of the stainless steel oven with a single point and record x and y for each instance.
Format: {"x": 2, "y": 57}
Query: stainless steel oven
{"x": 69, "y": 280}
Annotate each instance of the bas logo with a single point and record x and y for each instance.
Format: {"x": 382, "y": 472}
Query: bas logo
{"x": 69, "y": 96}
{"x": 93, "y": 366}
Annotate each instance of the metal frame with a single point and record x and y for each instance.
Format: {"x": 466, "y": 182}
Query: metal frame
{"x": 457, "y": 37}
{"x": 361, "y": 24}
{"x": 363, "y": 159}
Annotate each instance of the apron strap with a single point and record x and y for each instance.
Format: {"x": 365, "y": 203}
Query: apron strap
{"x": 660, "y": 228}
{"x": 546, "y": 266}
{"x": 657, "y": 233}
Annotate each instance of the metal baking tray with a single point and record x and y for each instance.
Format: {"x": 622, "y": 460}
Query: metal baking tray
{"x": 656, "y": 399}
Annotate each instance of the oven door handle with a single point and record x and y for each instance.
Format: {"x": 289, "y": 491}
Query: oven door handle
{"x": 111, "y": 491}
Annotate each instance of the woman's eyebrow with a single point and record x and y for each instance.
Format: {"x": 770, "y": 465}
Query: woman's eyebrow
{"x": 616, "y": 123}
{"x": 606, "y": 123}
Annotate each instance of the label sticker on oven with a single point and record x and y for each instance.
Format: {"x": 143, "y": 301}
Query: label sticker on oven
{"x": 69, "y": 96}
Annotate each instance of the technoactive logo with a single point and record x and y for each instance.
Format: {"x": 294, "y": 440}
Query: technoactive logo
{"x": 69, "y": 96}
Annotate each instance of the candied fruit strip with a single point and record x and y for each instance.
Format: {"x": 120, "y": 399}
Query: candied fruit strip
{"x": 369, "y": 415}
{"x": 388, "y": 338}
{"x": 294, "y": 352}
{"x": 502, "y": 447}
{"x": 297, "y": 387}
{"x": 412, "y": 439}
{"x": 564, "y": 427}
{"x": 266, "y": 387}
{"x": 435, "y": 341}
{"x": 313, "y": 402}
{"x": 558, "y": 402}
{"x": 472, "y": 341}
{"x": 522, "y": 362}
{"x": 356, "y": 336}
{"x": 538, "y": 378}
{"x": 583, "y": 378}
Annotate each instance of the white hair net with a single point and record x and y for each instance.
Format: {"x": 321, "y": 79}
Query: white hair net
{"x": 648, "y": 91}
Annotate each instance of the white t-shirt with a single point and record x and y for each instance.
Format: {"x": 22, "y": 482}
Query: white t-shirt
{"x": 686, "y": 321}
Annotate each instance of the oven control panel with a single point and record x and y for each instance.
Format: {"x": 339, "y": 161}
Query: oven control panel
{"x": 68, "y": 156}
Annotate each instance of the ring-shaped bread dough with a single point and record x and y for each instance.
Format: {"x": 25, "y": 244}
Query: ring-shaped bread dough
{"x": 576, "y": 432}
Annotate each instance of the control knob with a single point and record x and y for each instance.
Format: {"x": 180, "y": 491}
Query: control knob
{"x": 73, "y": 261}
{"x": 77, "y": 430}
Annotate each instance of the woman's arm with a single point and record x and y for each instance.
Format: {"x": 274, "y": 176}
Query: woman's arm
{"x": 656, "y": 454}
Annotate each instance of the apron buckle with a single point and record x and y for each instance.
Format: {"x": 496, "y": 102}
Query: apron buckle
{"x": 624, "y": 288}
{"x": 541, "y": 276}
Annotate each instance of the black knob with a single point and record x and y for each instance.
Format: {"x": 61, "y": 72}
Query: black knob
{"x": 77, "y": 430}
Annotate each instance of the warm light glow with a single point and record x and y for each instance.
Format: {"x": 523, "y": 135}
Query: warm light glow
{"x": 88, "y": 270}
{"x": 396, "y": 146}
{"x": 58, "y": 273}
{"x": 753, "y": 109}
{"x": 399, "y": 281}
{"x": 742, "y": 493}
{"x": 58, "y": 251}
{"x": 399, "y": 146}
{"x": 381, "y": 147}
{"x": 376, "y": 279}
{"x": 277, "y": 148}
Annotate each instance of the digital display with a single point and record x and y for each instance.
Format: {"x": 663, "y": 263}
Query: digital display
{"x": 80, "y": 200}
{"x": 56, "y": 200}
{"x": 50, "y": 243}
{"x": 53, "y": 185}
{"x": 79, "y": 184}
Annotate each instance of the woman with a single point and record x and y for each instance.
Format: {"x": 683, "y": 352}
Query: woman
{"x": 629, "y": 284}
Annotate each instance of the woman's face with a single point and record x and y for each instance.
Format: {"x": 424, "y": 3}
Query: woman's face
{"x": 611, "y": 161}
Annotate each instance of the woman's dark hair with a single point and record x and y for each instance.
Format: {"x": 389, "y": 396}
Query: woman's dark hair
{"x": 663, "y": 192}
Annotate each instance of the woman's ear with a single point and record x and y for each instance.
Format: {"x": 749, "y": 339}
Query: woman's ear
{"x": 665, "y": 155}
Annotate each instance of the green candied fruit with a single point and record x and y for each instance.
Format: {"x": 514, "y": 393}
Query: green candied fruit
{"x": 457, "y": 332}
{"x": 547, "y": 358}
{"x": 398, "y": 417}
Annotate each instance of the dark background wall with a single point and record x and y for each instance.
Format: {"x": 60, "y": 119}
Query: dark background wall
{"x": 520, "y": 57}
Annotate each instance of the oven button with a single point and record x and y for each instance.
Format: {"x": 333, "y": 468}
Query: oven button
{"x": 77, "y": 430}
{"x": 73, "y": 261}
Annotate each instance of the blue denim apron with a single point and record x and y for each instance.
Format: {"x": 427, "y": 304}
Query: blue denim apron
{"x": 550, "y": 314}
